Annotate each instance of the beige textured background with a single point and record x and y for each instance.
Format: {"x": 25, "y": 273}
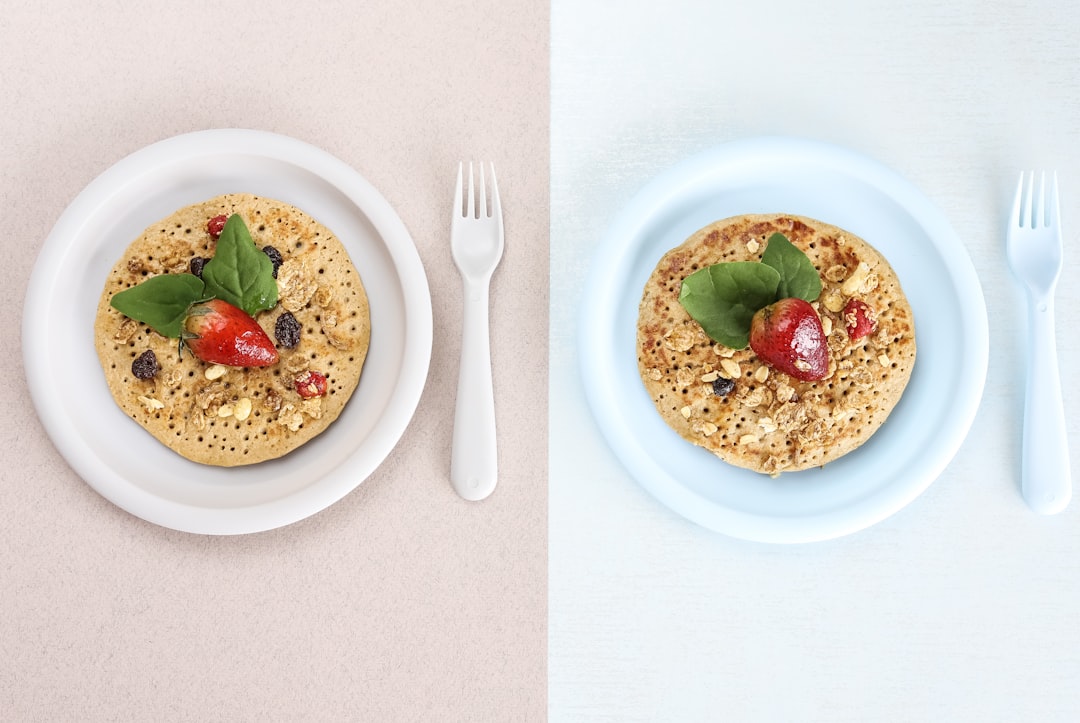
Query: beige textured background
{"x": 401, "y": 602}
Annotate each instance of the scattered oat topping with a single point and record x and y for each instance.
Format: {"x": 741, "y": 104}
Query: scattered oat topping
{"x": 151, "y": 403}
{"x": 126, "y": 331}
{"x": 295, "y": 287}
{"x": 324, "y": 296}
{"x": 242, "y": 409}
{"x": 210, "y": 397}
{"x": 312, "y": 407}
{"x": 784, "y": 393}
{"x": 834, "y": 301}
{"x": 272, "y": 401}
{"x": 296, "y": 364}
{"x": 853, "y": 285}
{"x": 215, "y": 371}
{"x": 173, "y": 378}
{"x": 731, "y": 368}
{"x": 680, "y": 339}
{"x": 289, "y": 418}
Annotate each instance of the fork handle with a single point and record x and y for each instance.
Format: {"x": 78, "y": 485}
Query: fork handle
{"x": 1045, "y": 478}
{"x": 473, "y": 454}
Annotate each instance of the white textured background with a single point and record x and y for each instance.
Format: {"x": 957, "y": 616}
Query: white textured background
{"x": 961, "y": 607}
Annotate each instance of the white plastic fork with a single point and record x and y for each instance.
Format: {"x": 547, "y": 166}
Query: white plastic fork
{"x": 1034, "y": 248}
{"x": 476, "y": 243}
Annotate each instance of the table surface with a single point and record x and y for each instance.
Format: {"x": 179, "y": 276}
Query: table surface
{"x": 961, "y": 606}
{"x": 571, "y": 594}
{"x": 400, "y": 602}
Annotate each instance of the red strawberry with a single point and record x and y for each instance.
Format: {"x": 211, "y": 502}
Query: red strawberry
{"x": 788, "y": 336}
{"x": 219, "y": 333}
{"x": 859, "y": 318}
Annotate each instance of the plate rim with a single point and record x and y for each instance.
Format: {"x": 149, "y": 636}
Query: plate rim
{"x": 648, "y": 203}
{"x": 417, "y": 335}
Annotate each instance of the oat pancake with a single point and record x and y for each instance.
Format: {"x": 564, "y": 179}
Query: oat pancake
{"x": 770, "y": 422}
{"x": 187, "y": 405}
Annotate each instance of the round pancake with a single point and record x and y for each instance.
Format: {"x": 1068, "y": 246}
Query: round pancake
{"x": 187, "y": 405}
{"x": 771, "y": 422}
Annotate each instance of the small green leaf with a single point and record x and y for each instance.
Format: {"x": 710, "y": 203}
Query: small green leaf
{"x": 160, "y": 302}
{"x": 723, "y": 298}
{"x": 240, "y": 273}
{"x": 798, "y": 277}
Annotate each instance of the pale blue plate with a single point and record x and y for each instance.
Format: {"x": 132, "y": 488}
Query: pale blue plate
{"x": 831, "y": 184}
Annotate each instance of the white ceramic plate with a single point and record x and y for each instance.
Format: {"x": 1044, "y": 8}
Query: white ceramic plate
{"x": 116, "y": 456}
{"x": 926, "y": 428}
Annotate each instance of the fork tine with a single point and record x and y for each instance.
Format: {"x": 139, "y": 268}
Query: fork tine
{"x": 496, "y": 205}
{"x": 1047, "y": 200}
{"x": 1017, "y": 218}
{"x": 1026, "y": 213}
{"x": 458, "y": 198}
{"x": 1039, "y": 212}
{"x": 471, "y": 211}
{"x": 482, "y": 197}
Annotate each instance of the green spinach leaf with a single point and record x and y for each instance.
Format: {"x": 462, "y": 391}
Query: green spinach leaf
{"x": 723, "y": 298}
{"x": 240, "y": 273}
{"x": 798, "y": 277}
{"x": 160, "y": 302}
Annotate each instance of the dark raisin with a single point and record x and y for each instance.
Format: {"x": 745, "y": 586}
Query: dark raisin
{"x": 195, "y": 266}
{"x": 275, "y": 257}
{"x": 287, "y": 330}
{"x": 145, "y": 365}
{"x": 722, "y": 386}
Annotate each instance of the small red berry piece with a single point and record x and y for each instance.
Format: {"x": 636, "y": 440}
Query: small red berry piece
{"x": 216, "y": 225}
{"x": 788, "y": 336}
{"x": 310, "y": 384}
{"x": 859, "y": 319}
{"x": 219, "y": 333}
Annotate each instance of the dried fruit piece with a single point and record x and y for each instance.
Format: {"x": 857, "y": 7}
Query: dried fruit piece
{"x": 216, "y": 225}
{"x": 195, "y": 266}
{"x": 310, "y": 384}
{"x": 859, "y": 319}
{"x": 722, "y": 386}
{"x": 287, "y": 330}
{"x": 275, "y": 258}
{"x": 788, "y": 336}
{"x": 145, "y": 366}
